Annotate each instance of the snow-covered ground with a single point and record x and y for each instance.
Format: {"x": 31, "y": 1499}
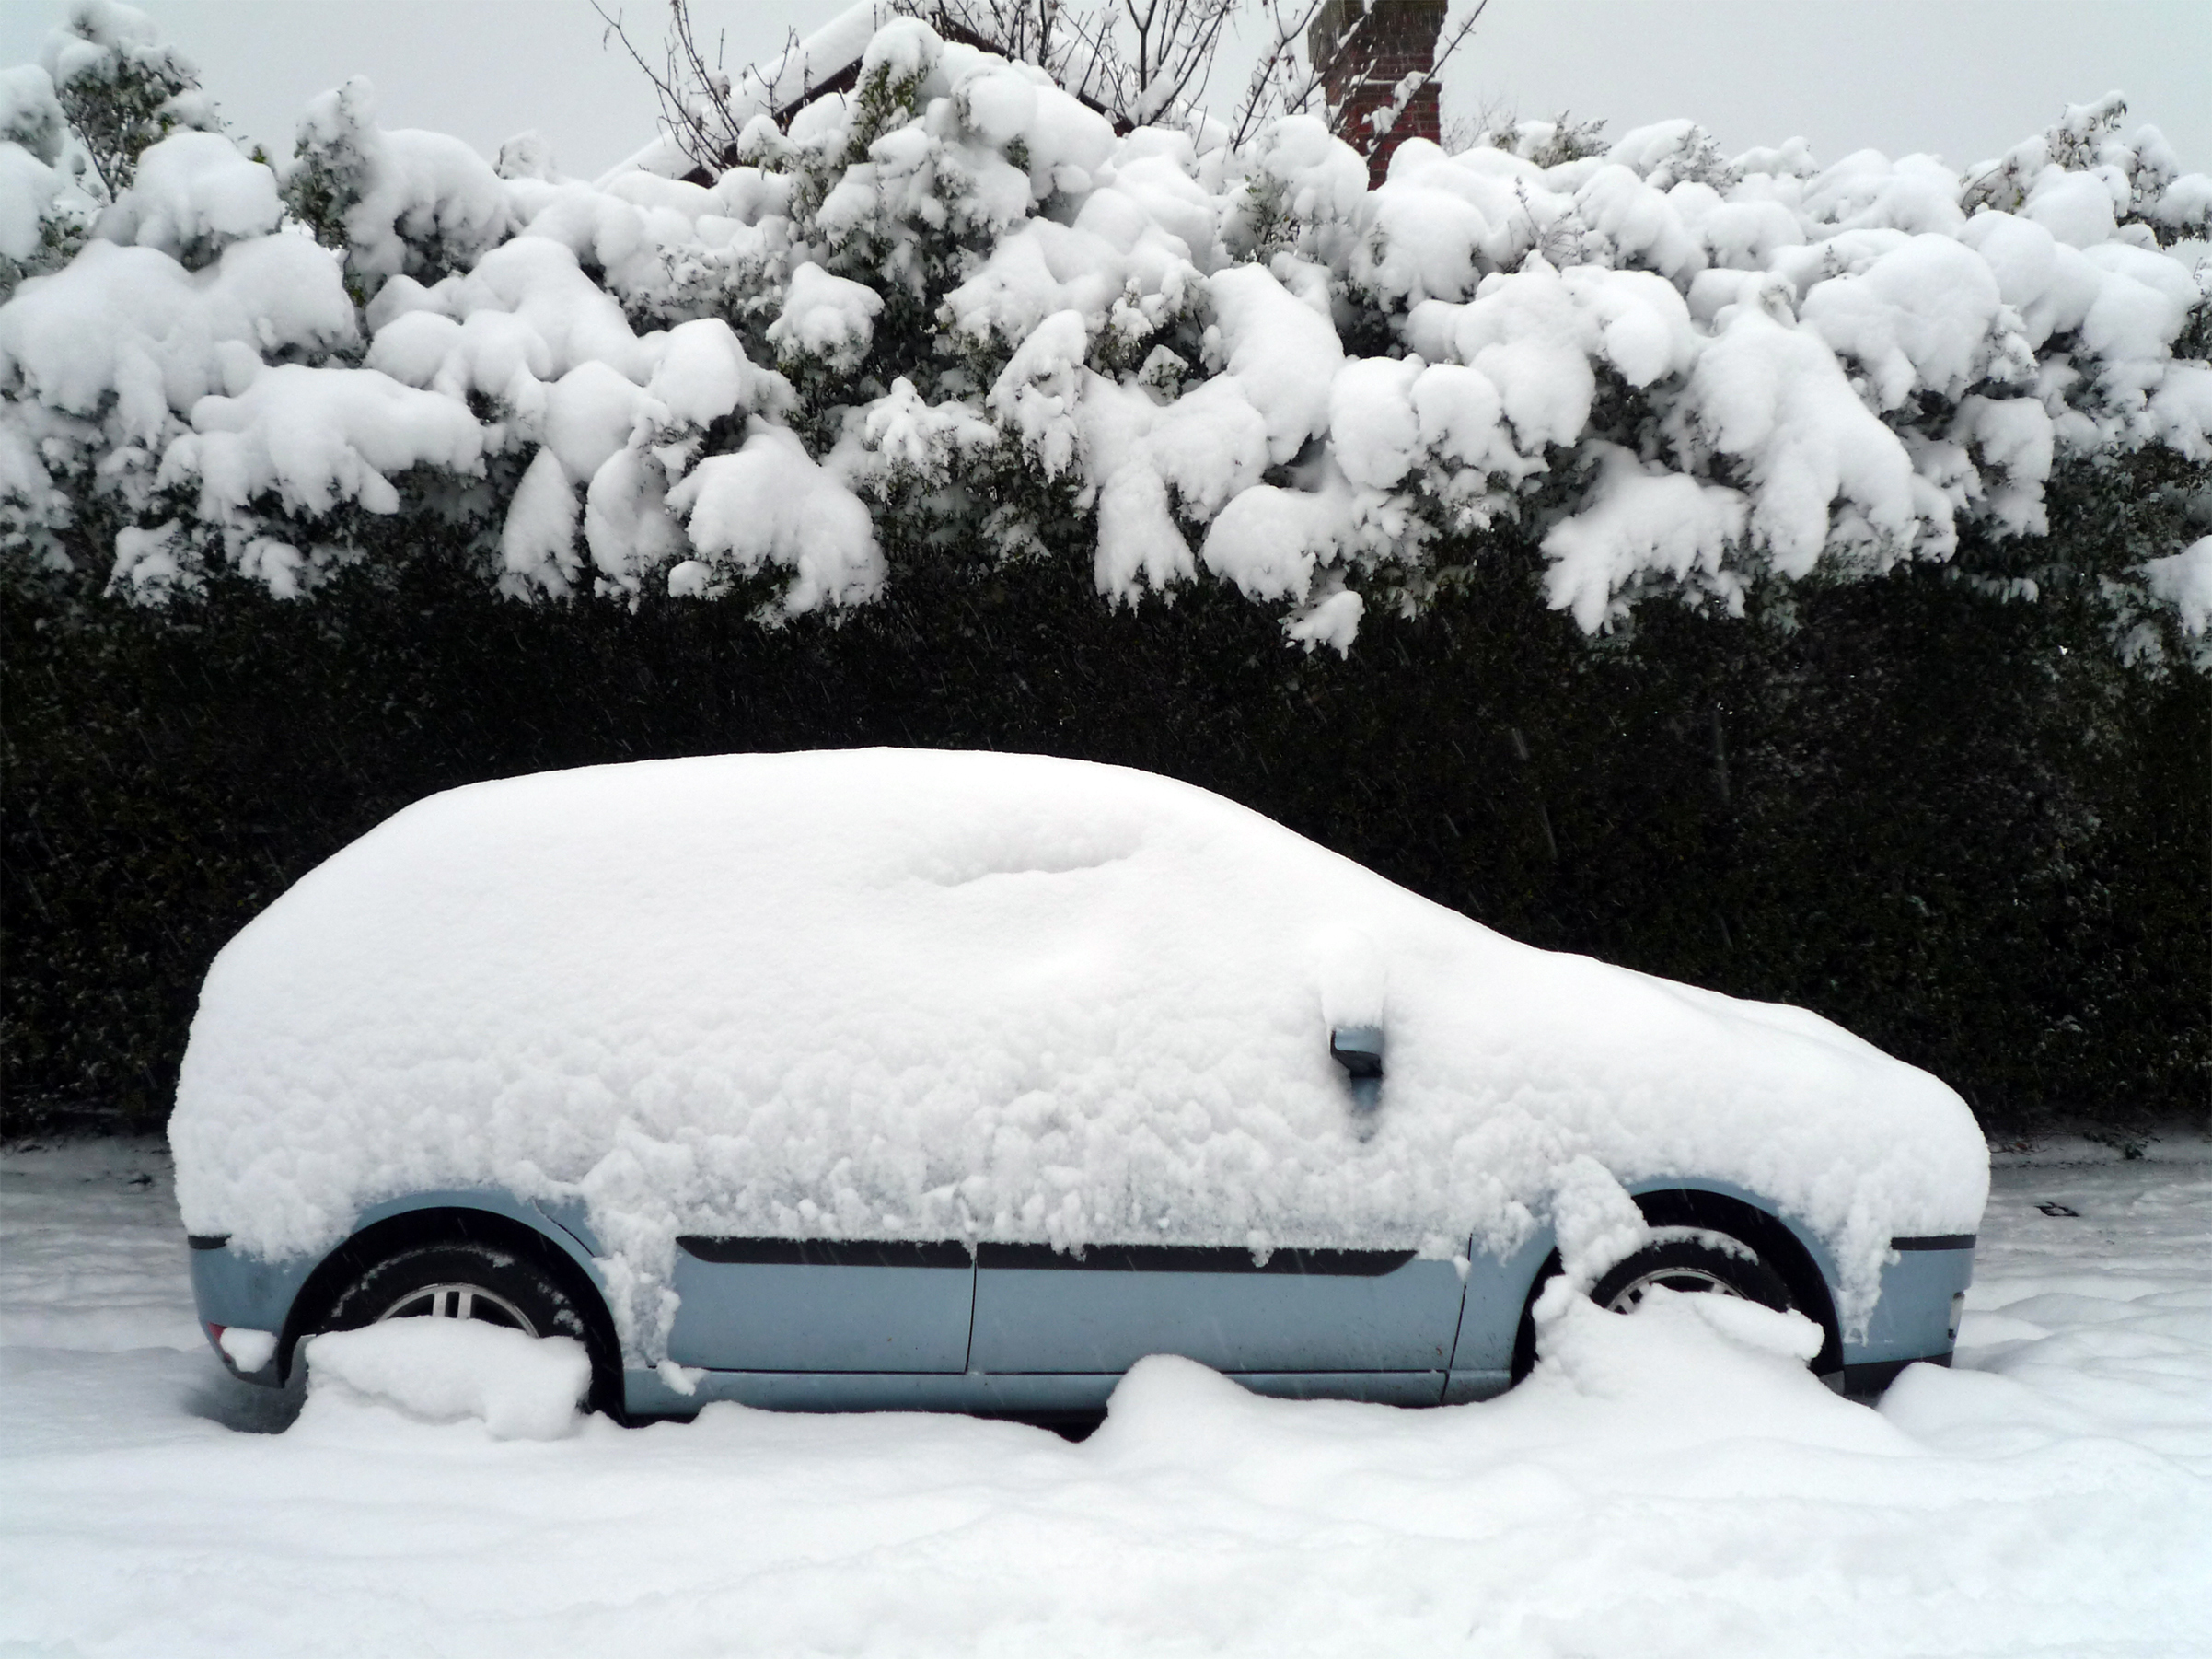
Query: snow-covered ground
{"x": 1659, "y": 1488}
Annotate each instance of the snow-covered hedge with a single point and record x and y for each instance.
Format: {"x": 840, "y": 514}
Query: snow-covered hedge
{"x": 953, "y": 313}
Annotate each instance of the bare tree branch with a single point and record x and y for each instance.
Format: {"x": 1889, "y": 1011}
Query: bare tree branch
{"x": 1138, "y": 62}
{"x": 693, "y": 94}
{"x": 1283, "y": 81}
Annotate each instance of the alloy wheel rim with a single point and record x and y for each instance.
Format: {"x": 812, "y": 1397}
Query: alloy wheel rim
{"x": 1696, "y": 1280}
{"x": 457, "y": 1301}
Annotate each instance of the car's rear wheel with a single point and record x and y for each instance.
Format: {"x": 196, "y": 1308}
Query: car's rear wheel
{"x": 460, "y": 1280}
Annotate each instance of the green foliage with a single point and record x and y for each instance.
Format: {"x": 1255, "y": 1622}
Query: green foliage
{"x": 330, "y": 172}
{"x": 61, "y": 234}
{"x": 319, "y": 193}
{"x": 883, "y": 99}
{"x": 125, "y": 95}
{"x": 116, "y": 115}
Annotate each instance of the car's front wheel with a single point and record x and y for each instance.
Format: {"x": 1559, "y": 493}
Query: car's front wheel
{"x": 1690, "y": 1260}
{"x": 1694, "y": 1259}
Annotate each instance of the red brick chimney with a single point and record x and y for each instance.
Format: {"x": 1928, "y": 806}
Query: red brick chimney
{"x": 1366, "y": 48}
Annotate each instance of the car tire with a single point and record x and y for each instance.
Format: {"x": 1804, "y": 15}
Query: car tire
{"x": 1682, "y": 1258}
{"x": 1695, "y": 1261}
{"x": 460, "y": 1280}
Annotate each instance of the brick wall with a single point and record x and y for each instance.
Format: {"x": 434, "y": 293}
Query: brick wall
{"x": 1382, "y": 43}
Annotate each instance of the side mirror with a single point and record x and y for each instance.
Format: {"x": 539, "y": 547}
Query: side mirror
{"x": 1358, "y": 1049}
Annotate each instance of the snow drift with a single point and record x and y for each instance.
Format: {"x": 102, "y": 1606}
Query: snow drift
{"x": 909, "y": 994}
{"x": 520, "y": 1388}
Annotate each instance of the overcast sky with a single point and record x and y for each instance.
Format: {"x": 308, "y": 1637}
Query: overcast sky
{"x": 1961, "y": 78}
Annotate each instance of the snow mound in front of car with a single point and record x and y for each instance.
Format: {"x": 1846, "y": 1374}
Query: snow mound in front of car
{"x": 894, "y": 993}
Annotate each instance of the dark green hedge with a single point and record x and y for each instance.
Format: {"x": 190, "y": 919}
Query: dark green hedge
{"x": 1902, "y": 805}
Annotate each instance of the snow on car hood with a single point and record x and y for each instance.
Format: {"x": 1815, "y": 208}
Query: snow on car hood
{"x": 920, "y": 994}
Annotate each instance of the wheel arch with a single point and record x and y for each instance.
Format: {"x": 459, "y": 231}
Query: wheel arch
{"x": 460, "y": 1220}
{"x": 1693, "y": 1204}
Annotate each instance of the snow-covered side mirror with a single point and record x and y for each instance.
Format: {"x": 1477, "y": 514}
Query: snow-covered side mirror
{"x": 1358, "y": 1049}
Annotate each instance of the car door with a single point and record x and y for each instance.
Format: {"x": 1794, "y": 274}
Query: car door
{"x": 1297, "y": 1313}
{"x": 817, "y": 1304}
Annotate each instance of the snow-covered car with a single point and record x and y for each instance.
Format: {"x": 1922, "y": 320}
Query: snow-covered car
{"x": 962, "y": 1081}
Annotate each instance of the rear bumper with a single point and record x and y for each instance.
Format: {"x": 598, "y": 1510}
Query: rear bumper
{"x": 237, "y": 1292}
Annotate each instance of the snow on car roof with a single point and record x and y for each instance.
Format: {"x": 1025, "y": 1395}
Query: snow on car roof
{"x": 913, "y": 993}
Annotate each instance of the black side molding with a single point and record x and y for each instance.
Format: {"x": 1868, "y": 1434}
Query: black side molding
{"x": 826, "y": 1252}
{"x": 1935, "y": 1241}
{"x": 1038, "y": 1258}
{"x": 1192, "y": 1258}
{"x": 207, "y": 1241}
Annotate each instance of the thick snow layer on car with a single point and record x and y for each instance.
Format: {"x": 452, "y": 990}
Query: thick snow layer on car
{"x": 892, "y": 993}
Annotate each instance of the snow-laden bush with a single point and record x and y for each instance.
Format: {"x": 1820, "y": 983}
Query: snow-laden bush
{"x": 74, "y": 125}
{"x": 121, "y": 87}
{"x": 44, "y": 211}
{"x": 954, "y": 316}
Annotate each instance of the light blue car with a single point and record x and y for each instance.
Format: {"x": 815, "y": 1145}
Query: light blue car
{"x": 1028, "y": 1069}
{"x": 1025, "y": 1331}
